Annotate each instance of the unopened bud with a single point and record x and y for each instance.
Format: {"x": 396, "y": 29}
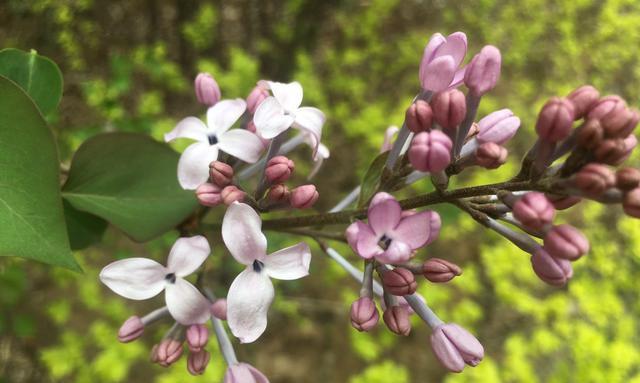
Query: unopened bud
{"x": 552, "y": 270}
{"x": 611, "y": 151}
{"x": 449, "y": 108}
{"x": 594, "y": 179}
{"x": 419, "y": 117}
{"x": 439, "y": 270}
{"x": 631, "y": 203}
{"x": 257, "y": 95}
{"x": 627, "y": 179}
{"x": 630, "y": 144}
{"x": 231, "y": 194}
{"x": 483, "y": 71}
{"x": 455, "y": 347}
{"x": 197, "y": 362}
{"x": 279, "y": 193}
{"x": 534, "y": 210}
{"x": 197, "y": 337}
{"x": 617, "y": 122}
{"x": 490, "y": 155}
{"x": 364, "y": 314}
{"x": 555, "y": 120}
{"x": 566, "y": 242}
{"x": 304, "y": 196}
{"x": 606, "y": 105}
{"x": 221, "y": 174}
{"x": 399, "y": 281}
{"x": 583, "y": 99}
{"x": 397, "y": 320}
{"x": 131, "y": 330}
{"x": 209, "y": 195}
{"x": 498, "y": 127}
{"x": 632, "y": 123}
{"x": 207, "y": 89}
{"x": 279, "y": 169}
{"x": 430, "y": 151}
{"x": 167, "y": 352}
{"x": 590, "y": 134}
{"x": 563, "y": 202}
{"x": 219, "y": 309}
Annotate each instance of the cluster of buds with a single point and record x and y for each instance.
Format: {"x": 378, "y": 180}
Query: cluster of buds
{"x": 277, "y": 172}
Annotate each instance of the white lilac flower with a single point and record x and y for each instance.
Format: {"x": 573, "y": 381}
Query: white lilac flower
{"x": 212, "y": 137}
{"x": 143, "y": 278}
{"x": 251, "y": 293}
{"x": 281, "y": 111}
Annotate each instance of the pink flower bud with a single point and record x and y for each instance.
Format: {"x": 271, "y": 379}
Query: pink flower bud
{"x": 364, "y": 314}
{"x": 566, "y": 242}
{"x": 583, "y": 98}
{"x": 419, "y": 117}
{"x": 231, "y": 194}
{"x": 131, "y": 330}
{"x": 221, "y": 174}
{"x": 430, "y": 151}
{"x": 562, "y": 202}
{"x": 304, "y": 196}
{"x": 397, "y": 320}
{"x": 632, "y": 123}
{"x": 534, "y": 210}
{"x": 611, "y": 151}
{"x": 555, "y": 120}
{"x": 438, "y": 270}
{"x": 552, "y": 270}
{"x": 399, "y": 281}
{"x": 594, "y": 179}
{"x": 279, "y": 193}
{"x": 454, "y": 347}
{"x": 590, "y": 134}
{"x": 197, "y": 362}
{"x": 255, "y": 98}
{"x": 490, "y": 155}
{"x": 631, "y": 203}
{"x": 440, "y": 61}
{"x": 449, "y": 108}
{"x": 483, "y": 71}
{"x": 207, "y": 89}
{"x": 619, "y": 123}
{"x": 279, "y": 169}
{"x": 630, "y": 144}
{"x": 627, "y": 179}
{"x": 219, "y": 309}
{"x": 607, "y": 105}
{"x": 197, "y": 337}
{"x": 498, "y": 127}
{"x": 167, "y": 352}
{"x": 209, "y": 195}
{"x": 352, "y": 236}
{"x": 244, "y": 373}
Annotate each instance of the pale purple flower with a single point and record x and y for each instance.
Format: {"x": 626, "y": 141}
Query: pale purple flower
{"x": 281, "y": 111}
{"x": 251, "y": 293}
{"x": 142, "y": 278}
{"x": 440, "y": 62}
{"x": 212, "y": 137}
{"x": 244, "y": 373}
{"x": 389, "y": 237}
{"x": 454, "y": 347}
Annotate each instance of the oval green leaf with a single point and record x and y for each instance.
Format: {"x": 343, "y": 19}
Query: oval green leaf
{"x": 371, "y": 180}
{"x": 32, "y": 222}
{"x": 35, "y": 74}
{"x": 129, "y": 180}
{"x": 84, "y": 229}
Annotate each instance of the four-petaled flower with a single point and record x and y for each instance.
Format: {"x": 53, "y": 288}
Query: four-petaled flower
{"x": 143, "y": 278}
{"x": 391, "y": 236}
{"x": 281, "y": 111}
{"x": 251, "y": 293}
{"x": 193, "y": 167}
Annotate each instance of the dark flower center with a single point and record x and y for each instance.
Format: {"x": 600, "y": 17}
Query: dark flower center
{"x": 257, "y": 266}
{"x": 171, "y": 278}
{"x": 212, "y": 139}
{"x": 384, "y": 242}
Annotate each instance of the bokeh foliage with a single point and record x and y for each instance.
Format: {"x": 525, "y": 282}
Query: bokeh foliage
{"x": 128, "y": 66}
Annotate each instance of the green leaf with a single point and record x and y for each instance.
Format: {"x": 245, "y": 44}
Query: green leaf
{"x": 37, "y": 75}
{"x": 129, "y": 180}
{"x": 371, "y": 180}
{"x": 84, "y": 229}
{"x": 31, "y": 218}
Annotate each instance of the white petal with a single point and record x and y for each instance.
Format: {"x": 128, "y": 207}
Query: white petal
{"x": 248, "y": 301}
{"x": 224, "y": 114}
{"x": 242, "y": 144}
{"x": 323, "y": 153}
{"x": 193, "y": 167}
{"x": 311, "y": 120}
{"x": 290, "y": 263}
{"x": 190, "y": 127}
{"x": 269, "y": 118}
{"x": 187, "y": 254}
{"x": 134, "y": 278}
{"x": 288, "y": 95}
{"x": 186, "y": 304}
{"x": 241, "y": 232}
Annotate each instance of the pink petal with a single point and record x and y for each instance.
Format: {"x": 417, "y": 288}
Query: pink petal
{"x": 224, "y": 114}
{"x": 270, "y": 119}
{"x": 384, "y": 216}
{"x": 289, "y": 263}
{"x": 288, "y": 95}
{"x": 248, "y": 301}
{"x": 445, "y": 351}
{"x": 187, "y": 254}
{"x": 456, "y": 47}
{"x": 134, "y": 278}
{"x": 186, "y": 304}
{"x": 458, "y": 78}
{"x": 398, "y": 252}
{"x": 242, "y": 144}
{"x": 429, "y": 53}
{"x": 439, "y": 74}
{"x": 242, "y": 233}
{"x": 367, "y": 243}
{"x": 190, "y": 127}
{"x": 193, "y": 166}
{"x": 417, "y": 229}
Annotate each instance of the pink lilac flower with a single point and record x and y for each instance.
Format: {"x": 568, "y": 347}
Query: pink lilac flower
{"x": 244, "y": 373}
{"x": 454, "y": 347}
{"x": 439, "y": 68}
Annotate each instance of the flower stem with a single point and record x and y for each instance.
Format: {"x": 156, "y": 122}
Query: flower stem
{"x": 224, "y": 343}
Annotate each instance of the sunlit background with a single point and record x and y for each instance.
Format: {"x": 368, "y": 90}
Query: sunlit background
{"x": 128, "y": 65}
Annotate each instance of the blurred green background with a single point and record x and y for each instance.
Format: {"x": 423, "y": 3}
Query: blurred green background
{"x": 128, "y": 65}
